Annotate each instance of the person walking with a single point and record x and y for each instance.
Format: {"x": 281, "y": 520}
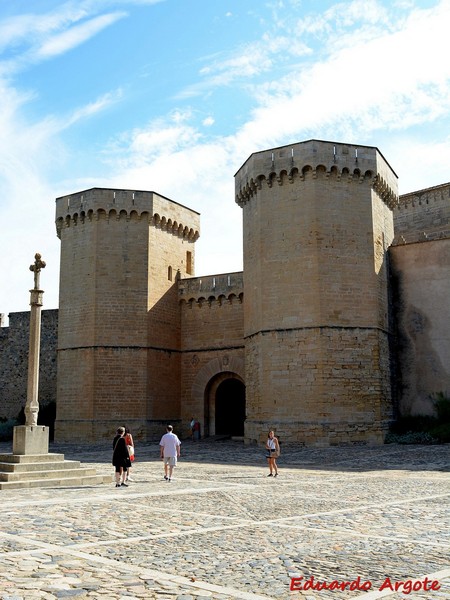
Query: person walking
{"x": 130, "y": 445}
{"x": 120, "y": 458}
{"x": 273, "y": 451}
{"x": 169, "y": 451}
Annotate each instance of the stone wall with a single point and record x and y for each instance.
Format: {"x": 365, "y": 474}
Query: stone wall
{"x": 142, "y": 341}
{"x": 317, "y": 226}
{"x": 423, "y": 215}
{"x": 122, "y": 253}
{"x": 422, "y": 302}
{"x": 14, "y": 348}
{"x": 420, "y": 260}
{"x": 212, "y": 346}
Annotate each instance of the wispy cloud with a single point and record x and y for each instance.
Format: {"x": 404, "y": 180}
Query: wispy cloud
{"x": 33, "y": 38}
{"x": 356, "y": 72}
{"x": 91, "y": 109}
{"x": 62, "y": 42}
{"x": 373, "y": 80}
{"x": 246, "y": 62}
{"x": 371, "y": 83}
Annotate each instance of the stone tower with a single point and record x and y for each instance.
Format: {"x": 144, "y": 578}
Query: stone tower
{"x": 122, "y": 253}
{"x": 317, "y": 222}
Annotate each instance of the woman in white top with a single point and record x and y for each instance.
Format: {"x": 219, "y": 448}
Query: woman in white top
{"x": 273, "y": 451}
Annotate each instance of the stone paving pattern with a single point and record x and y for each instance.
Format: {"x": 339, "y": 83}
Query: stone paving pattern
{"x": 223, "y": 530}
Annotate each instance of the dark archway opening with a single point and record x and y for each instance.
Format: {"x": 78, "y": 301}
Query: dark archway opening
{"x": 230, "y": 408}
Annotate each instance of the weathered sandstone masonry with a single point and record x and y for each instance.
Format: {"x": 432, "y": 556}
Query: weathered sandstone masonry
{"x": 212, "y": 326}
{"x": 420, "y": 259}
{"x": 334, "y": 328}
{"x": 14, "y": 348}
{"x": 122, "y": 253}
{"x": 317, "y": 225}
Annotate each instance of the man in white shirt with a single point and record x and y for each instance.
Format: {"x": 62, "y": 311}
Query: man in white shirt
{"x": 169, "y": 451}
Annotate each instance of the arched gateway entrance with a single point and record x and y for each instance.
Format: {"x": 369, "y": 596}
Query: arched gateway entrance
{"x": 230, "y": 408}
{"x": 218, "y": 391}
{"x": 225, "y": 405}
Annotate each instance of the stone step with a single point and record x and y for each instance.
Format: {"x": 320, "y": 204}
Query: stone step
{"x": 24, "y": 467}
{"x": 44, "y": 475}
{"x": 75, "y": 481}
{"x": 31, "y": 458}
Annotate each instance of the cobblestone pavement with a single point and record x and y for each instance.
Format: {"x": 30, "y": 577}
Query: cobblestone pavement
{"x": 223, "y": 530}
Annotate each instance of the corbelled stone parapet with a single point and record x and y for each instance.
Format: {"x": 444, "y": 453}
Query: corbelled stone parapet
{"x": 226, "y": 286}
{"x": 423, "y": 216}
{"x": 98, "y": 203}
{"x": 314, "y": 159}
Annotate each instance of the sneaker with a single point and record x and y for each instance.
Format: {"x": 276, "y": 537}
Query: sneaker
{"x": 270, "y": 475}
{"x": 168, "y": 480}
{"x": 117, "y": 484}
{"x": 276, "y": 475}
{"x": 124, "y": 484}
{"x": 165, "y": 477}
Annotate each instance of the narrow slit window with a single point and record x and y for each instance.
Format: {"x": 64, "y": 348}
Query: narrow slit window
{"x": 189, "y": 262}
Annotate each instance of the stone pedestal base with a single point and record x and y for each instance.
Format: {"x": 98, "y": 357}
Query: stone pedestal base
{"x": 30, "y": 439}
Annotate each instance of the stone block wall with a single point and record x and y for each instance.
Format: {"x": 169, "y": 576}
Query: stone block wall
{"x": 321, "y": 387}
{"x": 421, "y": 282}
{"x": 317, "y": 226}
{"x": 212, "y": 346}
{"x": 14, "y": 348}
{"x": 423, "y": 215}
{"x": 122, "y": 253}
{"x": 143, "y": 342}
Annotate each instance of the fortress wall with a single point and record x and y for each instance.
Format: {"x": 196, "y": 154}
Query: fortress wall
{"x": 102, "y": 389}
{"x": 422, "y": 283}
{"x": 171, "y": 255}
{"x": 328, "y": 386}
{"x": 141, "y": 342}
{"x": 102, "y": 325}
{"x": 317, "y": 226}
{"x": 423, "y": 215}
{"x": 119, "y": 320}
{"x": 212, "y": 324}
{"x": 14, "y": 348}
{"x": 101, "y": 301}
{"x": 383, "y": 234}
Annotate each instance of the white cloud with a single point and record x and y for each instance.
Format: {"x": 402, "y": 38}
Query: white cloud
{"x": 27, "y": 29}
{"x": 389, "y": 82}
{"x": 92, "y": 108}
{"x": 62, "y": 42}
{"x": 386, "y": 82}
{"x": 364, "y": 84}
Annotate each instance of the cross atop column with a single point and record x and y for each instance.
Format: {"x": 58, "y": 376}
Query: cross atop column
{"x": 36, "y": 267}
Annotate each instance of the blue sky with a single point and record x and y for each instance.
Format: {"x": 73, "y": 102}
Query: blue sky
{"x": 174, "y": 95}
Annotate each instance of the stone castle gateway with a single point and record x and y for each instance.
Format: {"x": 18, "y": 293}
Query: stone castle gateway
{"x": 338, "y": 322}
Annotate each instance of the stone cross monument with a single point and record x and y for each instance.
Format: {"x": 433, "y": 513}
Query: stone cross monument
{"x": 32, "y": 438}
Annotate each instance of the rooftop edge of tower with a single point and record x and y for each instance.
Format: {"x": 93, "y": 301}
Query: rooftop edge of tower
{"x": 159, "y": 209}
{"x": 346, "y": 161}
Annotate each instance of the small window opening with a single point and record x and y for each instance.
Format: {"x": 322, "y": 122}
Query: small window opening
{"x": 169, "y": 273}
{"x": 189, "y": 262}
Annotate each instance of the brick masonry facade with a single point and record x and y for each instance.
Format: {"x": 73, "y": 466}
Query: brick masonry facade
{"x": 338, "y": 323}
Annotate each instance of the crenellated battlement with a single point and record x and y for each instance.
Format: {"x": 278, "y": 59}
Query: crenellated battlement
{"x": 423, "y": 215}
{"x": 220, "y": 289}
{"x": 316, "y": 159}
{"x": 437, "y": 195}
{"x": 110, "y": 204}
